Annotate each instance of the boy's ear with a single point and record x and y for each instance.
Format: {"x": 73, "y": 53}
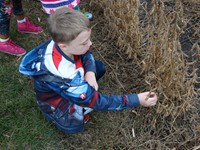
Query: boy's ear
{"x": 62, "y": 46}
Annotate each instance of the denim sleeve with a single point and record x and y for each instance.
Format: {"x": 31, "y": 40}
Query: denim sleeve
{"x": 85, "y": 96}
{"x": 89, "y": 62}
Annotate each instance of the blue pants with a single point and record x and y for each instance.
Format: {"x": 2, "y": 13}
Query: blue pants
{"x": 100, "y": 68}
{"x": 4, "y": 16}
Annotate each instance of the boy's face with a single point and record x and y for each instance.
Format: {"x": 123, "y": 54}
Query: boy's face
{"x": 80, "y": 45}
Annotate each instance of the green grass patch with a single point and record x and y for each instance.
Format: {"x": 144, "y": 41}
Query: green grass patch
{"x": 21, "y": 123}
{"x": 22, "y": 126}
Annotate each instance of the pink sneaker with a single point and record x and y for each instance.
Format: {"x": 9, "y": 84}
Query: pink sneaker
{"x": 28, "y": 27}
{"x": 11, "y": 48}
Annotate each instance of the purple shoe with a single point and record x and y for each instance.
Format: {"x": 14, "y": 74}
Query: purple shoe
{"x": 28, "y": 27}
{"x": 11, "y": 48}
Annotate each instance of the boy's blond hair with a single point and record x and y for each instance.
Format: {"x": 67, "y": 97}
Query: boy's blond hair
{"x": 65, "y": 24}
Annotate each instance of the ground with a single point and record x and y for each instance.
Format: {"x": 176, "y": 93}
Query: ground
{"x": 22, "y": 126}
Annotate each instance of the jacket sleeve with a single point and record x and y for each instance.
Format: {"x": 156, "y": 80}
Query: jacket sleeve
{"x": 85, "y": 96}
{"x": 88, "y": 62}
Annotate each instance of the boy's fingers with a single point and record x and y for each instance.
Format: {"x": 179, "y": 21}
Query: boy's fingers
{"x": 152, "y": 94}
{"x": 152, "y": 101}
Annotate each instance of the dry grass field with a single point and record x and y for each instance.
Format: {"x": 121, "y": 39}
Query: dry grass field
{"x": 153, "y": 45}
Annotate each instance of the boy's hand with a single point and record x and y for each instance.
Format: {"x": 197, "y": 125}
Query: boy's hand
{"x": 91, "y": 79}
{"x": 148, "y": 99}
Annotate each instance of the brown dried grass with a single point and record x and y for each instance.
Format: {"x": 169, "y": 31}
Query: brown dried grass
{"x": 146, "y": 51}
{"x": 150, "y": 36}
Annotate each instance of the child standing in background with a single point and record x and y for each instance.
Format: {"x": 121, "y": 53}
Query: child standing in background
{"x": 23, "y": 25}
{"x": 49, "y": 6}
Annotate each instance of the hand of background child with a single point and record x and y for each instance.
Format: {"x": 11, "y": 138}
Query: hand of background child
{"x": 91, "y": 79}
{"x": 148, "y": 99}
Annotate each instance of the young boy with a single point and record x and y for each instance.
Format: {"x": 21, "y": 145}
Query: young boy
{"x": 65, "y": 75}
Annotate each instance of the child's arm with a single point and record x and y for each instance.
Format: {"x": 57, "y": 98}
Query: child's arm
{"x": 91, "y": 79}
{"x": 90, "y": 69}
{"x": 88, "y": 62}
{"x": 86, "y": 96}
{"x": 120, "y": 102}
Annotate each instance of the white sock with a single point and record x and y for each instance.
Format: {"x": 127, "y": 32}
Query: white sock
{"x": 21, "y": 21}
{"x": 4, "y": 40}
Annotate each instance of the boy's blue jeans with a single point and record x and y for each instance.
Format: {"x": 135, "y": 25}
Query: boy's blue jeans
{"x": 100, "y": 68}
{"x": 4, "y": 16}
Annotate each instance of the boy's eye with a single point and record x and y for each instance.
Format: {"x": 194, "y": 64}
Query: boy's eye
{"x": 84, "y": 44}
